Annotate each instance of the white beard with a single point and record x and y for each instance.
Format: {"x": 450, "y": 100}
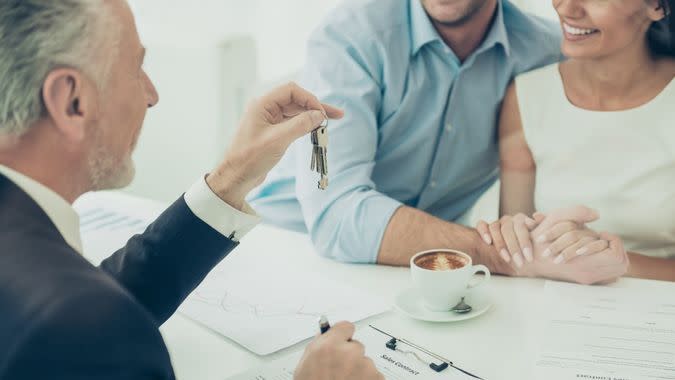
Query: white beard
{"x": 107, "y": 172}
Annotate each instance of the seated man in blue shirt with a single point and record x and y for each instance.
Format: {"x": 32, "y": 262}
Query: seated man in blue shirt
{"x": 421, "y": 82}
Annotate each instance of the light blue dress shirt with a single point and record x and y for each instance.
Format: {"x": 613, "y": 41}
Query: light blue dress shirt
{"x": 420, "y": 126}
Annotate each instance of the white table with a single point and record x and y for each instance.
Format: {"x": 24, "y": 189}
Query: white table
{"x": 500, "y": 344}
{"x": 497, "y": 345}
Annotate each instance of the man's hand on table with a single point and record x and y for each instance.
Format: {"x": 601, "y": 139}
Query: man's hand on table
{"x": 557, "y": 246}
{"x": 267, "y": 129}
{"x": 334, "y": 355}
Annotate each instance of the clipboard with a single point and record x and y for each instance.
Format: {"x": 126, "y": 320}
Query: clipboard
{"x": 394, "y": 345}
{"x": 387, "y": 352}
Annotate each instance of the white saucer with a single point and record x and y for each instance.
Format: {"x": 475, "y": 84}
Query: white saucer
{"x": 410, "y": 303}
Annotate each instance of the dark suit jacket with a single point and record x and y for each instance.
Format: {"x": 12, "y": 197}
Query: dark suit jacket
{"x": 63, "y": 318}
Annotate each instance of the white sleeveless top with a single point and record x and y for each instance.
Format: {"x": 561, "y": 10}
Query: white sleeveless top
{"x": 620, "y": 163}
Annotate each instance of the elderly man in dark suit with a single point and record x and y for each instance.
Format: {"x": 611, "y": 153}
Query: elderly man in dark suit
{"x": 73, "y": 96}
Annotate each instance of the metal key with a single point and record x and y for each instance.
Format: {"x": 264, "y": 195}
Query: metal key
{"x": 319, "y": 163}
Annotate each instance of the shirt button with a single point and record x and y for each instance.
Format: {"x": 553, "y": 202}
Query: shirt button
{"x": 448, "y": 127}
{"x": 433, "y": 184}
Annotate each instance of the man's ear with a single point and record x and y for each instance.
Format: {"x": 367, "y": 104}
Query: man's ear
{"x": 656, "y": 11}
{"x": 69, "y": 102}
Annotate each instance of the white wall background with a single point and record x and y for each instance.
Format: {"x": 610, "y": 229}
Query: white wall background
{"x": 205, "y": 57}
{"x": 538, "y": 7}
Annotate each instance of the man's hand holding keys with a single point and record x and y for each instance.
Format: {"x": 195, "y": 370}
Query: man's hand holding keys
{"x": 269, "y": 126}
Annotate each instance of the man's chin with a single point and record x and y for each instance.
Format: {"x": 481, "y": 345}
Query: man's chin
{"x": 115, "y": 180}
{"x": 125, "y": 177}
{"x": 456, "y": 15}
{"x": 454, "y": 22}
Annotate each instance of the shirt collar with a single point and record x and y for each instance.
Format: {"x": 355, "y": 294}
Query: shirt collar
{"x": 421, "y": 28}
{"x": 59, "y": 211}
{"x": 498, "y": 35}
{"x": 424, "y": 32}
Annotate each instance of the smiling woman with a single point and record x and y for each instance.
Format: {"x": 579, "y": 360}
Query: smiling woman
{"x": 595, "y": 130}
{"x": 598, "y": 28}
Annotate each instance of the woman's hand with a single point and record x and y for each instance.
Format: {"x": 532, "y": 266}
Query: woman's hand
{"x": 569, "y": 240}
{"x": 600, "y": 268}
{"x": 560, "y": 235}
{"x": 510, "y": 236}
{"x": 563, "y": 247}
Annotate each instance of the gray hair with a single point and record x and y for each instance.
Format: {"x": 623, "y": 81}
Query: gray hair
{"x": 38, "y": 36}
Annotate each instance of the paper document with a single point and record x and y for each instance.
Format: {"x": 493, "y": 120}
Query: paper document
{"x": 109, "y": 219}
{"x": 394, "y": 365}
{"x": 608, "y": 333}
{"x": 266, "y": 309}
{"x": 263, "y": 307}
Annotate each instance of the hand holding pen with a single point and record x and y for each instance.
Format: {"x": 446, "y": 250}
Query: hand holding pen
{"x": 324, "y": 325}
{"x": 334, "y": 355}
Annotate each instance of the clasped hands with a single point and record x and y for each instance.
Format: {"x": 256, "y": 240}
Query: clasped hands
{"x": 557, "y": 246}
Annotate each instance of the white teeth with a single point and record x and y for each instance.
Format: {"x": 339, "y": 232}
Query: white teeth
{"x": 578, "y": 31}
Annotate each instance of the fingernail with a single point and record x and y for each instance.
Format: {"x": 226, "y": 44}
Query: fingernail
{"x": 324, "y": 123}
{"x": 527, "y": 252}
{"x": 318, "y": 118}
{"x": 546, "y": 253}
{"x": 518, "y": 260}
{"x": 488, "y": 239}
{"x": 558, "y": 259}
{"x": 541, "y": 238}
{"x": 505, "y": 255}
{"x": 582, "y": 251}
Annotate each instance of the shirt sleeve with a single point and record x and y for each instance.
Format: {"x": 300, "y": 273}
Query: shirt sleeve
{"x": 222, "y": 217}
{"x": 347, "y": 221}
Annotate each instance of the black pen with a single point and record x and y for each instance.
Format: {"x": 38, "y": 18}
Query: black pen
{"x": 324, "y": 325}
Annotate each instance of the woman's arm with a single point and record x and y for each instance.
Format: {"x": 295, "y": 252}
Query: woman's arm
{"x": 517, "y": 164}
{"x": 511, "y": 234}
{"x": 653, "y": 268}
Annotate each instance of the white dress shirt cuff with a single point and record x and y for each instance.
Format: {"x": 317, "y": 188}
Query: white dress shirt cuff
{"x": 222, "y": 217}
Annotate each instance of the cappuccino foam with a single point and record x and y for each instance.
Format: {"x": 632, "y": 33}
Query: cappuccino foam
{"x": 439, "y": 261}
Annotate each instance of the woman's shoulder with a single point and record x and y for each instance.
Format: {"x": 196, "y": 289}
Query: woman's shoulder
{"x": 533, "y": 84}
{"x": 536, "y": 86}
{"x": 548, "y": 72}
{"x": 532, "y": 97}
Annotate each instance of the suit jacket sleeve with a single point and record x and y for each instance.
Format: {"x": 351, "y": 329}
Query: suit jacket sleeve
{"x": 97, "y": 334}
{"x": 162, "y": 266}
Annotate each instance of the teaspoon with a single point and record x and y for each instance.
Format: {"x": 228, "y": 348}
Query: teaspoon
{"x": 462, "y": 307}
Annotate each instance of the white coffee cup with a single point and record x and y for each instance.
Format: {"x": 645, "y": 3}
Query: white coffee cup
{"x": 443, "y": 281}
